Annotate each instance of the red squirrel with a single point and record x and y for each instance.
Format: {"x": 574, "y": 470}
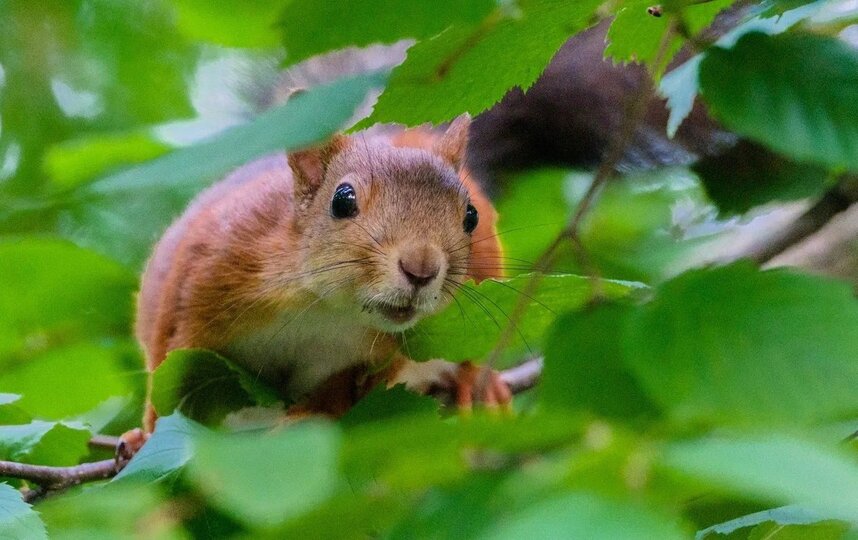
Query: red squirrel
{"x": 303, "y": 268}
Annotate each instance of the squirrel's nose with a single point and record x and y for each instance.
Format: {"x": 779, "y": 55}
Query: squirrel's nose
{"x": 420, "y": 265}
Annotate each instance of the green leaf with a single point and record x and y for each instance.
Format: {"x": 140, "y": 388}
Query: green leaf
{"x": 782, "y": 516}
{"x": 771, "y": 468}
{"x": 797, "y": 94}
{"x": 234, "y": 23}
{"x": 584, "y": 515}
{"x": 44, "y": 443}
{"x": 205, "y": 386}
{"x": 112, "y": 510}
{"x": 314, "y": 26}
{"x": 17, "y": 518}
{"x": 123, "y": 214}
{"x": 385, "y": 403}
{"x": 584, "y": 366}
{"x": 74, "y": 162}
{"x": 748, "y": 175}
{"x": 283, "y": 474}
{"x": 735, "y": 345}
{"x": 10, "y": 410}
{"x": 681, "y": 85}
{"x": 635, "y": 35}
{"x": 470, "y": 68}
{"x": 88, "y": 295}
{"x": 166, "y": 451}
{"x": 468, "y": 329}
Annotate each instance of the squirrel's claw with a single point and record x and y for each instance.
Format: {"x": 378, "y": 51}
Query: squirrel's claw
{"x": 476, "y": 384}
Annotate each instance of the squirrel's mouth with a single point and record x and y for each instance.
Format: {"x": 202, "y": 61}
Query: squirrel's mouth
{"x": 396, "y": 314}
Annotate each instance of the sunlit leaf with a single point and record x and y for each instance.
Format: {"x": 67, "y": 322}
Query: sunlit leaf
{"x": 636, "y": 36}
{"x": 446, "y": 75}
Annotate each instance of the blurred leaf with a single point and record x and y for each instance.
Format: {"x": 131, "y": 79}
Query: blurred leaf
{"x": 205, "y": 386}
{"x": 734, "y": 345}
{"x": 74, "y": 162}
{"x": 283, "y": 474}
{"x": 17, "y": 518}
{"x": 584, "y": 366}
{"x": 446, "y": 75}
{"x": 166, "y": 451}
{"x": 315, "y": 26}
{"x": 584, "y": 515}
{"x": 797, "y": 94}
{"x": 234, "y": 23}
{"x": 44, "y": 443}
{"x": 10, "y": 410}
{"x": 680, "y": 85}
{"x": 123, "y": 214}
{"x": 88, "y": 296}
{"x": 385, "y": 403}
{"x": 468, "y": 329}
{"x": 70, "y": 380}
{"x": 749, "y": 175}
{"x": 113, "y": 510}
{"x": 782, "y": 516}
{"x": 635, "y": 35}
{"x": 773, "y": 468}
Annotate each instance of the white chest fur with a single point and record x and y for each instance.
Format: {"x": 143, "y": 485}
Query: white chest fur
{"x": 300, "y": 350}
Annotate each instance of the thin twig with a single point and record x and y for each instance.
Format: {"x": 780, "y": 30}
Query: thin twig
{"x": 571, "y": 233}
{"x": 107, "y": 442}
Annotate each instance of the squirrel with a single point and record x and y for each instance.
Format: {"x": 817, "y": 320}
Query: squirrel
{"x": 303, "y": 268}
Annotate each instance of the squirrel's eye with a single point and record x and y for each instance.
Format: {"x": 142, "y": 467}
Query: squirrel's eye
{"x": 344, "y": 203}
{"x": 471, "y": 219}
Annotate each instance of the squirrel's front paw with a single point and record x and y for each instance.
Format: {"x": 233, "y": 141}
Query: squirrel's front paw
{"x": 473, "y": 383}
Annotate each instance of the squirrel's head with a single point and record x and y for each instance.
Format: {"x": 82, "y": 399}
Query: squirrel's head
{"x": 391, "y": 231}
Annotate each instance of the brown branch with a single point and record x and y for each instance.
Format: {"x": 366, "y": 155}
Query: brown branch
{"x": 834, "y": 201}
{"x": 53, "y": 478}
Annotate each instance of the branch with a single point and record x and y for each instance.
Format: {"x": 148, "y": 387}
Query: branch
{"x": 523, "y": 376}
{"x": 54, "y": 478}
{"x": 834, "y": 201}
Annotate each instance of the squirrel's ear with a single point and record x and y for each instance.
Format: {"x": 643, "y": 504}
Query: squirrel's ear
{"x": 309, "y": 165}
{"x": 453, "y": 144}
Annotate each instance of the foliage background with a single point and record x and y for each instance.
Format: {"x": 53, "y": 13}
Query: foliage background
{"x": 712, "y": 399}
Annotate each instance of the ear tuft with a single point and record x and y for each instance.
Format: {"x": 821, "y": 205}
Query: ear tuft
{"x": 309, "y": 165}
{"x": 454, "y": 143}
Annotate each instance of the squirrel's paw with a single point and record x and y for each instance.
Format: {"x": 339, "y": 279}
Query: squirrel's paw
{"x": 130, "y": 443}
{"x": 476, "y": 384}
